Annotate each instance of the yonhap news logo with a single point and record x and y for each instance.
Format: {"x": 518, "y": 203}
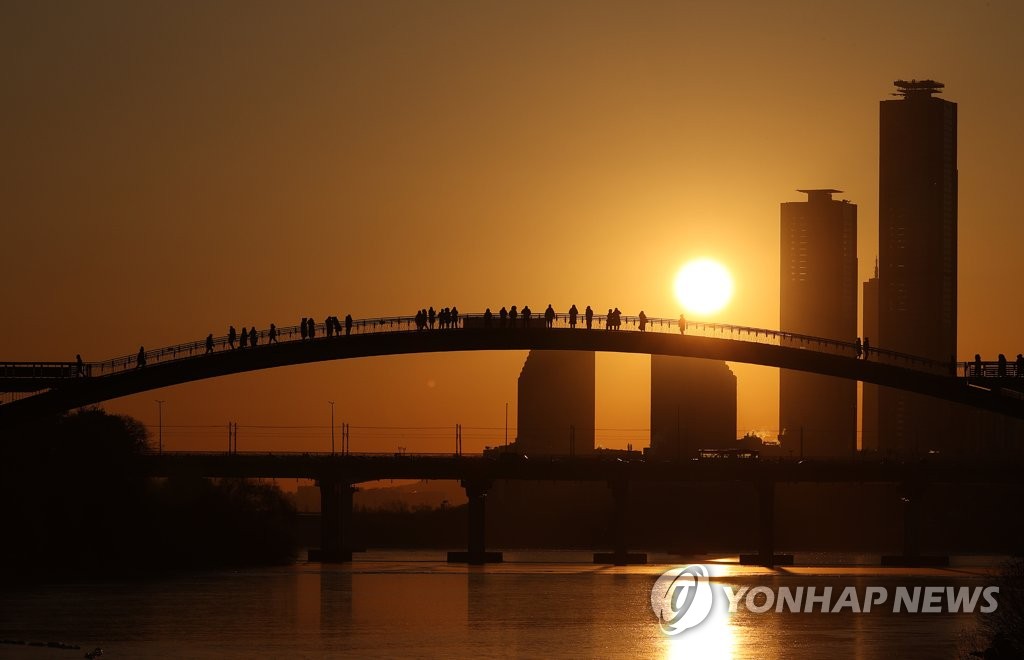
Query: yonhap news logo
{"x": 683, "y": 597}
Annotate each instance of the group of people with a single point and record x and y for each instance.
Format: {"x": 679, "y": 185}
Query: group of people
{"x": 248, "y": 337}
{"x": 332, "y": 327}
{"x": 446, "y": 318}
{"x": 862, "y": 348}
{"x": 1000, "y": 366}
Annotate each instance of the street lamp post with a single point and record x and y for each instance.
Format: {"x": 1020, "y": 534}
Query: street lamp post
{"x": 332, "y": 426}
{"x": 160, "y": 423}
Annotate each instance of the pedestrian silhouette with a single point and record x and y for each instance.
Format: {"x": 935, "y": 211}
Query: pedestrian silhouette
{"x": 312, "y": 328}
{"x": 209, "y": 343}
{"x": 512, "y": 314}
{"x": 80, "y": 366}
{"x": 348, "y": 324}
{"x": 140, "y": 359}
{"x": 682, "y": 324}
{"x": 1002, "y": 366}
{"x": 272, "y": 335}
{"x": 329, "y": 326}
{"x": 304, "y": 329}
{"x": 254, "y": 337}
{"x": 431, "y": 316}
{"x": 867, "y": 348}
{"x": 502, "y": 317}
{"x": 609, "y": 321}
{"x": 643, "y": 321}
{"x": 977, "y": 365}
{"x": 589, "y": 316}
{"x": 858, "y": 348}
{"x": 487, "y": 317}
{"x": 243, "y": 338}
{"x": 549, "y": 316}
{"x": 232, "y": 336}
{"x": 573, "y": 313}
{"x": 526, "y": 316}
{"x": 455, "y": 317}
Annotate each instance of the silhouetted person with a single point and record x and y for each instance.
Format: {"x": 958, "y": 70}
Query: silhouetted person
{"x": 643, "y": 321}
{"x": 526, "y": 316}
{"x": 455, "y": 317}
{"x": 304, "y": 329}
{"x": 312, "y": 327}
{"x": 272, "y": 335}
{"x": 348, "y": 324}
{"x": 609, "y": 320}
{"x": 858, "y": 348}
{"x": 243, "y": 338}
{"x": 487, "y": 317}
{"x": 502, "y": 317}
{"x": 512, "y": 314}
{"x": 140, "y": 359}
{"x": 867, "y": 348}
{"x": 573, "y": 313}
{"x": 1002, "y": 366}
{"x": 254, "y": 337}
{"x": 549, "y": 316}
{"x": 682, "y": 324}
{"x": 209, "y": 343}
{"x": 329, "y": 326}
{"x": 589, "y": 316}
{"x": 431, "y": 316}
{"x": 977, "y": 365}
{"x": 617, "y": 316}
{"x": 232, "y": 336}
{"x": 80, "y": 366}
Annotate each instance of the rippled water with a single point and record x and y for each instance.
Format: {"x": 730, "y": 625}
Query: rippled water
{"x": 413, "y": 604}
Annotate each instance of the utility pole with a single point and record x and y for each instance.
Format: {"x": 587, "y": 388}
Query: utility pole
{"x": 506, "y": 423}
{"x": 160, "y": 423}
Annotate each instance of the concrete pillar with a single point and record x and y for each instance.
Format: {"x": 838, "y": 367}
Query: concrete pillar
{"x": 766, "y": 555}
{"x": 619, "y": 555}
{"x": 476, "y": 553}
{"x": 913, "y": 511}
{"x": 335, "y": 522}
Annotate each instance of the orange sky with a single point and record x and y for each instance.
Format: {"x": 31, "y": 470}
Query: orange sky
{"x": 168, "y": 170}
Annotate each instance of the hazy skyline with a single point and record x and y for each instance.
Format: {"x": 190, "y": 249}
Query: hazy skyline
{"x": 173, "y": 169}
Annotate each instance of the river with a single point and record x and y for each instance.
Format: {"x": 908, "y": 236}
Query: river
{"x": 411, "y": 603}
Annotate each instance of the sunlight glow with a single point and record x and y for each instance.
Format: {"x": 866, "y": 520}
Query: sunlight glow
{"x": 703, "y": 286}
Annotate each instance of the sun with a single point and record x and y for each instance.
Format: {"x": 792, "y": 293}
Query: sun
{"x": 703, "y": 286}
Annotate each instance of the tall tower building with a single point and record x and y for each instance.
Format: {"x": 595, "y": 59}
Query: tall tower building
{"x": 869, "y": 405}
{"x": 693, "y": 406}
{"x": 556, "y": 403}
{"x": 818, "y": 295}
{"x": 917, "y": 227}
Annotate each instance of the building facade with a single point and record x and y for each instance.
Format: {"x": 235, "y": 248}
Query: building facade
{"x": 693, "y": 406}
{"x": 556, "y": 403}
{"x": 818, "y": 297}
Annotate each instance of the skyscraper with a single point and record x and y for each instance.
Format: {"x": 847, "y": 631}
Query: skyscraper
{"x": 818, "y": 296}
{"x": 693, "y": 406}
{"x": 917, "y": 227}
{"x": 869, "y": 406}
{"x": 556, "y": 403}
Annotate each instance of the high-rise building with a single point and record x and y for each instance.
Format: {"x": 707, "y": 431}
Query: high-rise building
{"x": 869, "y": 404}
{"x": 917, "y": 227}
{"x": 818, "y": 297}
{"x": 693, "y": 406}
{"x": 556, "y": 403}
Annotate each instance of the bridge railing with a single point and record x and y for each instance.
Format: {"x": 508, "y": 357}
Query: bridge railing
{"x": 407, "y": 324}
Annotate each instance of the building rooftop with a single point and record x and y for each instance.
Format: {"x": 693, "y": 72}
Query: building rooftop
{"x": 917, "y": 88}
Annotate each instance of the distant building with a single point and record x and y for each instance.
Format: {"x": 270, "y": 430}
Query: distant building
{"x": 869, "y": 405}
{"x": 693, "y": 406}
{"x": 917, "y": 223}
{"x": 556, "y": 403}
{"x": 818, "y": 297}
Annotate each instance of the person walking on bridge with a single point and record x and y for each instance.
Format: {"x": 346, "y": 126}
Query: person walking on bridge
{"x": 455, "y": 317}
{"x": 867, "y": 347}
{"x": 488, "y": 317}
{"x": 526, "y": 316}
{"x": 573, "y": 313}
{"x": 232, "y": 336}
{"x": 512, "y": 314}
{"x": 303, "y": 329}
{"x": 682, "y": 324}
{"x": 254, "y": 337}
{"x": 858, "y": 348}
{"x": 209, "y": 343}
{"x": 140, "y": 359}
{"x": 431, "y": 316}
{"x": 243, "y": 339}
{"x": 348, "y": 324}
{"x": 502, "y": 317}
{"x": 643, "y": 321}
{"x": 272, "y": 335}
{"x": 312, "y": 327}
{"x": 80, "y": 366}
{"x": 589, "y": 316}
{"x": 549, "y": 316}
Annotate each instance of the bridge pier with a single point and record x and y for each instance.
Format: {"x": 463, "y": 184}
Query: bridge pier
{"x": 476, "y": 492}
{"x": 619, "y": 556}
{"x": 913, "y": 501}
{"x": 335, "y": 522}
{"x": 765, "y": 555}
